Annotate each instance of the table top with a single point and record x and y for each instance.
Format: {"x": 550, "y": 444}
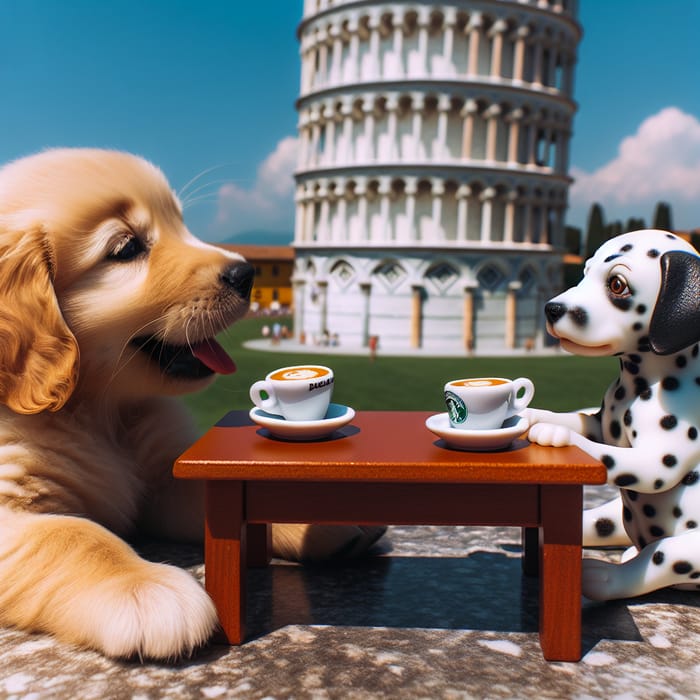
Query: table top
{"x": 380, "y": 446}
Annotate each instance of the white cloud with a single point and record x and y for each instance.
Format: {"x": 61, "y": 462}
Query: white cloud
{"x": 269, "y": 203}
{"x": 660, "y": 162}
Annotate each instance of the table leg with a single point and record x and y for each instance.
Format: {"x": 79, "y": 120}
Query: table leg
{"x": 531, "y": 551}
{"x": 560, "y": 572}
{"x": 225, "y": 555}
{"x": 259, "y": 538}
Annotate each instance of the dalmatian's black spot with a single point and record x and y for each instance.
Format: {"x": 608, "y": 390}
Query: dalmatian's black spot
{"x": 631, "y": 367}
{"x": 691, "y": 478}
{"x": 608, "y": 461}
{"x": 610, "y": 258}
{"x": 691, "y": 524}
{"x": 658, "y": 558}
{"x": 635, "y": 358}
{"x": 668, "y": 422}
{"x": 627, "y": 514}
{"x": 695, "y": 350}
{"x": 649, "y": 510}
{"x": 637, "y": 326}
{"x": 681, "y": 361}
{"x": 693, "y": 433}
{"x": 682, "y": 567}
{"x": 640, "y": 386}
{"x": 677, "y": 512}
{"x": 658, "y": 484}
{"x": 626, "y": 480}
{"x": 634, "y": 434}
{"x": 622, "y": 303}
{"x": 657, "y": 531}
{"x": 697, "y": 380}
{"x": 604, "y": 527}
{"x": 626, "y": 248}
{"x": 579, "y": 316}
{"x": 641, "y": 542}
{"x": 632, "y": 495}
{"x": 695, "y": 574}
{"x": 670, "y": 460}
{"x": 653, "y": 253}
{"x": 671, "y": 236}
{"x": 620, "y": 393}
{"x": 615, "y": 429}
{"x": 644, "y": 345}
{"x": 641, "y": 309}
{"x": 627, "y": 419}
{"x": 670, "y": 383}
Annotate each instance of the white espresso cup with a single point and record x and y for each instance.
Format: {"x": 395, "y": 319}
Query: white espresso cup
{"x": 297, "y": 393}
{"x": 484, "y": 403}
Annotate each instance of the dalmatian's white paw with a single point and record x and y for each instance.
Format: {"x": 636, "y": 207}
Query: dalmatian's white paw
{"x": 549, "y": 434}
{"x": 600, "y": 580}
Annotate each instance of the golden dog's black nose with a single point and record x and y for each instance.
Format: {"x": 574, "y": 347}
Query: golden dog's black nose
{"x": 239, "y": 277}
{"x": 554, "y": 311}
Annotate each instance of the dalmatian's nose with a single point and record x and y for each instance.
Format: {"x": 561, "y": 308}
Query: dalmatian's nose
{"x": 554, "y": 311}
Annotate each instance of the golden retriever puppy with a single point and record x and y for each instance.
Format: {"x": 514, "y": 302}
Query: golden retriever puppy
{"x": 108, "y": 308}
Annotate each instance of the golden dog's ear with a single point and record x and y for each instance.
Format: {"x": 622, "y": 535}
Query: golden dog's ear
{"x": 38, "y": 352}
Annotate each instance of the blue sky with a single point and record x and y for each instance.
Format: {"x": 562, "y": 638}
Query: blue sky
{"x": 194, "y": 85}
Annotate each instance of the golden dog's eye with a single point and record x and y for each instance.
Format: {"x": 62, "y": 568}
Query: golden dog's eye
{"x": 128, "y": 248}
{"x": 618, "y": 286}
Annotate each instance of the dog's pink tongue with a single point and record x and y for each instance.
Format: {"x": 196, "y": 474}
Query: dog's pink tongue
{"x": 214, "y": 356}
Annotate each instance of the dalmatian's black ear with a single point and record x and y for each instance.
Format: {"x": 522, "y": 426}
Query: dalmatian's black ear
{"x": 675, "y": 323}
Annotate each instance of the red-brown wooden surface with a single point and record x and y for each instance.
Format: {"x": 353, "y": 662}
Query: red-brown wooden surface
{"x": 386, "y": 467}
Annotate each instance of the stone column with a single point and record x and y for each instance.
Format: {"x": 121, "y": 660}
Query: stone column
{"x": 410, "y": 191}
{"x": 353, "y": 60}
{"x": 330, "y": 136}
{"x": 468, "y": 318}
{"x": 322, "y": 59}
{"x": 366, "y": 290}
{"x": 361, "y": 194}
{"x": 398, "y": 45}
{"x": 417, "y": 105}
{"x": 519, "y": 54}
{"x": 509, "y": 225}
{"x": 368, "y": 111}
{"x": 323, "y": 301}
{"x": 511, "y": 313}
{"x": 416, "y": 316}
{"x": 423, "y": 20}
{"x": 374, "y": 39}
{"x": 323, "y": 229}
{"x": 537, "y": 71}
{"x": 497, "y": 31}
{"x": 492, "y": 115}
{"x": 475, "y": 24}
{"x": 444, "y": 109}
{"x": 448, "y": 40}
{"x": 384, "y": 203}
{"x": 299, "y": 287}
{"x": 392, "y": 107}
{"x": 487, "y": 197}
{"x": 467, "y": 113}
{"x": 438, "y": 192}
{"x": 299, "y": 214}
{"x": 336, "y": 75}
{"x": 463, "y": 193}
{"x": 515, "y": 118}
{"x": 346, "y": 150}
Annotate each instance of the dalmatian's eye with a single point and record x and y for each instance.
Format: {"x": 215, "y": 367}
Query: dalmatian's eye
{"x": 618, "y": 286}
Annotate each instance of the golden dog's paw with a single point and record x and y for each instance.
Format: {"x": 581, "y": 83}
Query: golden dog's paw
{"x": 323, "y": 542}
{"x": 160, "y": 612}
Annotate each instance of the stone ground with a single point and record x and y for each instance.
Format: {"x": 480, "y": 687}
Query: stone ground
{"x": 437, "y": 612}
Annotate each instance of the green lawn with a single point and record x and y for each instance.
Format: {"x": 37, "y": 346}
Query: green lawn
{"x": 562, "y": 383}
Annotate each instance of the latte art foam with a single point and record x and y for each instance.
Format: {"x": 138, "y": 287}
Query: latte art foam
{"x": 299, "y": 373}
{"x": 479, "y": 382}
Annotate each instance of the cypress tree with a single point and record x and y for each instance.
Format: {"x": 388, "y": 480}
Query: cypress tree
{"x": 595, "y": 231}
{"x": 662, "y": 217}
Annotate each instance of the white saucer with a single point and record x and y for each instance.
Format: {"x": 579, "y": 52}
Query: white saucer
{"x": 477, "y": 440}
{"x": 336, "y": 417}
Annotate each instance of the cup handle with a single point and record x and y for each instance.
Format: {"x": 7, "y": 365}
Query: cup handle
{"x": 518, "y": 404}
{"x": 256, "y": 395}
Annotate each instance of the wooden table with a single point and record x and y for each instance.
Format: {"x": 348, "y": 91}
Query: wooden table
{"x": 385, "y": 467}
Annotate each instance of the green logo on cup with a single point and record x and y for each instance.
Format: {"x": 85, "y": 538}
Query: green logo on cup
{"x": 455, "y": 407}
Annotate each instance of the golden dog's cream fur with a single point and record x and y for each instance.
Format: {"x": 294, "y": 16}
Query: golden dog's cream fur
{"x": 95, "y": 264}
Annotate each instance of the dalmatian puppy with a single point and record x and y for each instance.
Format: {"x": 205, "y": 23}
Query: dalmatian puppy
{"x": 639, "y": 300}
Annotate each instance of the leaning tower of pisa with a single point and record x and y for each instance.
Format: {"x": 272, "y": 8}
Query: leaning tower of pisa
{"x": 432, "y": 178}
